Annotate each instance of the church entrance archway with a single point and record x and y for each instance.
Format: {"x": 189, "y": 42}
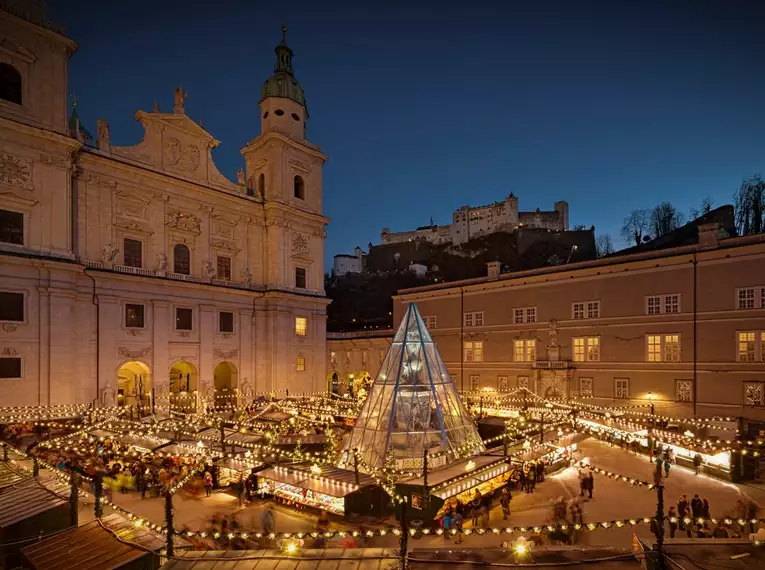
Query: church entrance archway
{"x": 184, "y": 382}
{"x": 225, "y": 380}
{"x": 134, "y": 385}
{"x": 334, "y": 383}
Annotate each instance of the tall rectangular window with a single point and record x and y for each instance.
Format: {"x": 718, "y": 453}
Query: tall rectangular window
{"x": 672, "y": 304}
{"x": 502, "y": 383}
{"x": 577, "y": 311}
{"x": 11, "y": 307}
{"x": 11, "y": 227}
{"x": 300, "y": 364}
{"x": 653, "y": 306}
{"x": 525, "y": 350}
{"x": 184, "y": 319}
{"x": 474, "y": 351}
{"x": 621, "y": 388}
{"x": 585, "y": 387}
{"x": 301, "y": 326}
{"x": 754, "y": 393}
{"x": 654, "y": 348}
{"x": 132, "y": 252}
{"x": 133, "y": 316}
{"x": 747, "y": 346}
{"x": 672, "y": 348}
{"x": 523, "y": 382}
{"x": 593, "y": 309}
{"x": 683, "y": 390}
{"x": 223, "y": 268}
{"x": 300, "y": 281}
{"x": 518, "y": 315}
{"x": 475, "y": 383}
{"x": 225, "y": 322}
{"x": 586, "y": 349}
{"x": 578, "y": 349}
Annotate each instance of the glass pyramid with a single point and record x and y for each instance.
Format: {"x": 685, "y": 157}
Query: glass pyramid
{"x": 413, "y": 405}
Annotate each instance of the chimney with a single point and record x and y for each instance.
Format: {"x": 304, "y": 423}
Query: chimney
{"x": 708, "y": 234}
{"x": 493, "y": 269}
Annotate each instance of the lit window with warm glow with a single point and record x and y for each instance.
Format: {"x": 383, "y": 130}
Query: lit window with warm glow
{"x": 301, "y": 364}
{"x": 474, "y": 351}
{"x": 654, "y": 348}
{"x": 663, "y": 348}
{"x": 301, "y": 326}
{"x": 578, "y": 350}
{"x": 747, "y": 346}
{"x": 525, "y": 350}
{"x": 586, "y": 349}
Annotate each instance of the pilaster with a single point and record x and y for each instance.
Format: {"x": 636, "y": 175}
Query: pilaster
{"x": 206, "y": 334}
{"x": 161, "y": 345}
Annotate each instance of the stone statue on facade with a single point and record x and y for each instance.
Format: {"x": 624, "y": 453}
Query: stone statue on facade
{"x": 208, "y": 270}
{"x": 240, "y": 177}
{"x": 553, "y": 333}
{"x": 104, "y": 140}
{"x": 109, "y": 253}
{"x": 247, "y": 276}
{"x": 162, "y": 262}
{"x": 108, "y": 396}
{"x": 179, "y": 100}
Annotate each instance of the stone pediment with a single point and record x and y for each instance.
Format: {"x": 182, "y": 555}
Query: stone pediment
{"x": 17, "y": 50}
{"x": 175, "y": 144}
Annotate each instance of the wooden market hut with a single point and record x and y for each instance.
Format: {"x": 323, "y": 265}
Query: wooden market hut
{"x": 29, "y": 509}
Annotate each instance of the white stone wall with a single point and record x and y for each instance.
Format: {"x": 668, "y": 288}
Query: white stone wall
{"x": 80, "y": 204}
{"x": 344, "y": 264}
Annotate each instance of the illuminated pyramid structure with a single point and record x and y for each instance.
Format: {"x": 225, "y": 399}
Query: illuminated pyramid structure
{"x": 413, "y": 405}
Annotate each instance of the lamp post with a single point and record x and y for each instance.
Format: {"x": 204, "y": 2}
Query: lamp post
{"x": 651, "y": 440}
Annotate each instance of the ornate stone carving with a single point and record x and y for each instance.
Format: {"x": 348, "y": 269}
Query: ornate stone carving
{"x": 240, "y": 177}
{"x": 172, "y": 151}
{"x": 185, "y": 157}
{"x": 300, "y": 244}
{"x": 134, "y": 227}
{"x": 16, "y": 171}
{"x": 134, "y": 332}
{"x": 8, "y": 351}
{"x": 300, "y": 166}
{"x": 179, "y": 98}
{"x": 320, "y": 232}
{"x": 108, "y": 182}
{"x": 185, "y": 222}
{"x": 109, "y": 253}
{"x": 225, "y": 354}
{"x": 124, "y": 352}
{"x": 104, "y": 139}
{"x": 10, "y": 327}
{"x": 553, "y": 333}
{"x": 246, "y": 276}
{"x": 184, "y": 334}
{"x": 190, "y": 158}
{"x": 162, "y": 262}
{"x": 225, "y": 245}
{"x": 208, "y": 269}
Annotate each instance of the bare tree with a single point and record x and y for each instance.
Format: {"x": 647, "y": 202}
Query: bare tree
{"x": 635, "y": 225}
{"x": 665, "y": 219}
{"x": 704, "y": 208}
{"x": 604, "y": 245}
{"x": 749, "y": 206}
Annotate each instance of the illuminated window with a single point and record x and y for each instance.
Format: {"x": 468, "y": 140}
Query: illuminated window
{"x": 475, "y": 383}
{"x": 300, "y": 363}
{"x": 663, "y": 348}
{"x": 585, "y": 387}
{"x": 301, "y": 326}
{"x": 754, "y": 395}
{"x": 586, "y": 349}
{"x": 502, "y": 383}
{"x": 474, "y": 351}
{"x": 525, "y": 350}
{"x": 747, "y": 345}
{"x": 683, "y": 390}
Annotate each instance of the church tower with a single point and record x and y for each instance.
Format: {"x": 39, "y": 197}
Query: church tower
{"x": 284, "y": 173}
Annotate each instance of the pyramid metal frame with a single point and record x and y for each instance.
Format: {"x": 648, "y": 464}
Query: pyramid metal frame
{"x": 413, "y": 405}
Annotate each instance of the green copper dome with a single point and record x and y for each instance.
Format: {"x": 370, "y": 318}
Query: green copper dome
{"x": 283, "y": 83}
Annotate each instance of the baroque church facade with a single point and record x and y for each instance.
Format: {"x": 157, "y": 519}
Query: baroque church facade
{"x": 132, "y": 273}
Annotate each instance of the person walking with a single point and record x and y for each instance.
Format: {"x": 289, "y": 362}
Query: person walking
{"x": 475, "y": 508}
{"x": 457, "y": 521}
{"x": 268, "y": 522}
{"x": 682, "y": 511}
{"x": 696, "y": 507}
{"x": 446, "y": 524}
{"x": 504, "y": 501}
{"x": 666, "y": 468}
{"x": 485, "y": 509}
{"x": 705, "y": 509}
{"x": 590, "y": 483}
{"x": 208, "y": 483}
{"x": 697, "y": 463}
{"x": 672, "y": 514}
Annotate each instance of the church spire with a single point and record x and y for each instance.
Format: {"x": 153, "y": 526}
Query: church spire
{"x": 283, "y": 55}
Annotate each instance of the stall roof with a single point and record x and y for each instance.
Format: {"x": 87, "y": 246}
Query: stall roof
{"x": 93, "y": 547}
{"x": 454, "y": 470}
{"x": 29, "y": 498}
{"x": 236, "y": 464}
{"x": 332, "y": 480}
{"x": 310, "y": 439}
{"x": 328, "y": 559}
{"x": 9, "y": 475}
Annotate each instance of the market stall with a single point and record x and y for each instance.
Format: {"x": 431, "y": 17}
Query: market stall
{"x": 323, "y": 487}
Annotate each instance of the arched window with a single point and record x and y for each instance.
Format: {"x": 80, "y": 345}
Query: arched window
{"x": 299, "y": 188}
{"x": 181, "y": 259}
{"x": 10, "y": 83}
{"x": 262, "y": 185}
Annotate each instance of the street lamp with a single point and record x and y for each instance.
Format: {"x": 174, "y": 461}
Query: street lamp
{"x": 653, "y": 421}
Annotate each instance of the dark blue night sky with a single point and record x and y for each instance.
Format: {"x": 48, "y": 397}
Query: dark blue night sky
{"x": 425, "y": 106}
